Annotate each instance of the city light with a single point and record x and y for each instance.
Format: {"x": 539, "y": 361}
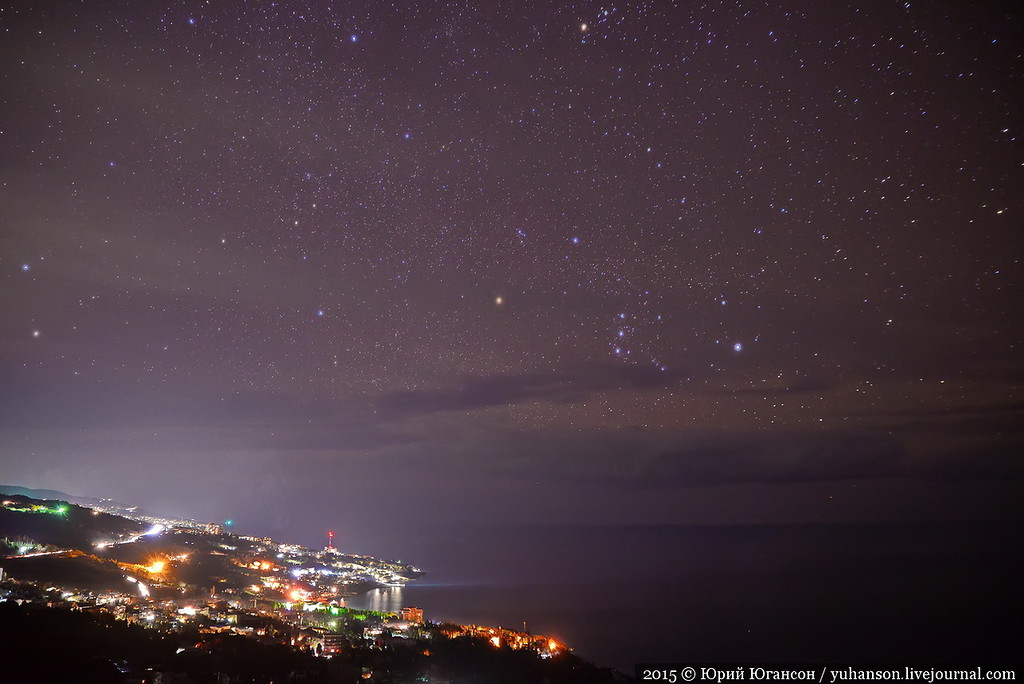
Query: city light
{"x": 34, "y": 508}
{"x": 143, "y": 589}
{"x": 305, "y": 587}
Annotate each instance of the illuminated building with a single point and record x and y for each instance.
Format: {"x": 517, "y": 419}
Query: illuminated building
{"x": 412, "y": 614}
{"x": 333, "y": 644}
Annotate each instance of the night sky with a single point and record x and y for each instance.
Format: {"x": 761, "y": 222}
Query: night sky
{"x": 391, "y": 267}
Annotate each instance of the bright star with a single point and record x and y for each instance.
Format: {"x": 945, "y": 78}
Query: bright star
{"x": 737, "y": 347}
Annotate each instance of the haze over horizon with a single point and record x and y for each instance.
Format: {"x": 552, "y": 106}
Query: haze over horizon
{"x": 399, "y": 269}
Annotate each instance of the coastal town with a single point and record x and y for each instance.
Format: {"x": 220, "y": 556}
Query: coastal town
{"x": 198, "y": 584}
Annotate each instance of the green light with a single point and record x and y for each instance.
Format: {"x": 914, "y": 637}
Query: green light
{"x": 35, "y": 508}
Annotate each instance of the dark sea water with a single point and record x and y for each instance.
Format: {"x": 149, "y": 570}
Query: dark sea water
{"x": 930, "y": 592}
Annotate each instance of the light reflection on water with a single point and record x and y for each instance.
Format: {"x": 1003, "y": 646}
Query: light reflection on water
{"x": 385, "y": 600}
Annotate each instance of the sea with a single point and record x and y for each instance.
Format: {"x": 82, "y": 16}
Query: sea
{"x": 927, "y": 592}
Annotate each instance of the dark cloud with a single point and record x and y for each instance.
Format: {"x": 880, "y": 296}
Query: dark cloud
{"x": 804, "y": 384}
{"x": 1000, "y": 420}
{"x": 776, "y": 457}
{"x": 1004, "y": 409}
{"x": 696, "y": 459}
{"x": 565, "y": 386}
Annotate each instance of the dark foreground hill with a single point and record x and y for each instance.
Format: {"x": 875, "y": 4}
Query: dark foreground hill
{"x": 61, "y": 524}
{"x": 54, "y": 495}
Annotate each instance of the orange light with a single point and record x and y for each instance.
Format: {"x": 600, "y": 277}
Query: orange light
{"x": 496, "y": 641}
{"x": 156, "y": 567}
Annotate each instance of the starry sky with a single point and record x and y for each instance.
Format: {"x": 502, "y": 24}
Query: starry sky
{"x": 424, "y": 262}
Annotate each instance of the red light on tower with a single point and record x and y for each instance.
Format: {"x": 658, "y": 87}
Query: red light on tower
{"x": 330, "y": 539}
